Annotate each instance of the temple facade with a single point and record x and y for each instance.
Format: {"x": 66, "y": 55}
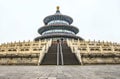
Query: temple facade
{"x": 58, "y": 44}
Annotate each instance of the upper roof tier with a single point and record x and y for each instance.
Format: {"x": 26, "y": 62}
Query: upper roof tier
{"x": 57, "y": 16}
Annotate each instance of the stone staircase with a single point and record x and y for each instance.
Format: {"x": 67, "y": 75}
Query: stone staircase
{"x": 50, "y": 57}
{"x": 68, "y": 57}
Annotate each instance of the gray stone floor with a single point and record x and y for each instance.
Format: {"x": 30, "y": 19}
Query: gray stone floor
{"x": 60, "y": 72}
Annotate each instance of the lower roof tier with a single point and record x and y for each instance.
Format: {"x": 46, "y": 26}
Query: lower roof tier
{"x": 58, "y": 36}
{"x": 62, "y": 27}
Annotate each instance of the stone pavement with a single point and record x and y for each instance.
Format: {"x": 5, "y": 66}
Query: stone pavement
{"x": 60, "y": 72}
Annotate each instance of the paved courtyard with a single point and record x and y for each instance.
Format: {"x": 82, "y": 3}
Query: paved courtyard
{"x": 60, "y": 72}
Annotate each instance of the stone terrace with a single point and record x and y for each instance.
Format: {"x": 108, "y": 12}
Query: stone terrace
{"x": 60, "y": 72}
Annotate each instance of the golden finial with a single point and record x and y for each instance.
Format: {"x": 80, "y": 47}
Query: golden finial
{"x": 58, "y": 8}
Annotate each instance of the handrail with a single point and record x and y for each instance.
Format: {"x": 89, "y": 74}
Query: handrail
{"x": 41, "y": 55}
{"x": 58, "y": 54}
{"x": 43, "y": 51}
{"x": 78, "y": 55}
{"x": 62, "y": 62}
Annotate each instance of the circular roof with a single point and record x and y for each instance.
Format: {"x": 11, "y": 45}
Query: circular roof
{"x": 52, "y": 27}
{"x": 57, "y": 16}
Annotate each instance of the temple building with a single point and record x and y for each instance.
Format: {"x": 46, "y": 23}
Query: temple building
{"x": 58, "y": 44}
{"x": 58, "y": 26}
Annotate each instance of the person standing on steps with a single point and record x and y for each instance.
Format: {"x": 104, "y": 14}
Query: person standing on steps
{"x": 58, "y": 41}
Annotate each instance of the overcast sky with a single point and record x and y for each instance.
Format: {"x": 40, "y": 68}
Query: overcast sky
{"x": 96, "y": 19}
